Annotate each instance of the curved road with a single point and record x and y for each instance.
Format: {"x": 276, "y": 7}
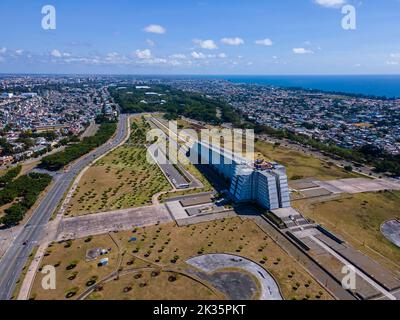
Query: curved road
{"x": 15, "y": 258}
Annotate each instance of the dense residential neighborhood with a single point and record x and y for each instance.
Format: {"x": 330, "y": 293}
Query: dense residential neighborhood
{"x": 38, "y": 114}
{"x": 349, "y": 121}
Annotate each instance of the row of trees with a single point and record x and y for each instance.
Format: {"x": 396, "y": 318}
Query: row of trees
{"x": 60, "y": 159}
{"x": 48, "y": 135}
{"x": 383, "y": 161}
{"x": 176, "y": 103}
{"x": 10, "y": 175}
{"x": 367, "y": 154}
{"x": 24, "y": 191}
{"x": 7, "y": 148}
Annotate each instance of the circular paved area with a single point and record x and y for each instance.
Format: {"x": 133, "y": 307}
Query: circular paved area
{"x": 211, "y": 263}
{"x": 391, "y": 230}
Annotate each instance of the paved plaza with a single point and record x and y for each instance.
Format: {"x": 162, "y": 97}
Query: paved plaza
{"x": 83, "y": 226}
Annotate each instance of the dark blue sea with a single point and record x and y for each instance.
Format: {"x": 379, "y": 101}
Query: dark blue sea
{"x": 370, "y": 85}
{"x": 376, "y": 85}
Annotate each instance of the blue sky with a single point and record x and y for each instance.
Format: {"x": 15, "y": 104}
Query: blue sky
{"x": 200, "y": 37}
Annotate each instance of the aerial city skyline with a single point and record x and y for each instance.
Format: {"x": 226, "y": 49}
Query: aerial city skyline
{"x": 200, "y": 154}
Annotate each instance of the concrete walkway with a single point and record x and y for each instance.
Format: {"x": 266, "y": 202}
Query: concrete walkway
{"x": 25, "y": 290}
{"x": 93, "y": 224}
{"x": 358, "y": 185}
{"x": 358, "y": 272}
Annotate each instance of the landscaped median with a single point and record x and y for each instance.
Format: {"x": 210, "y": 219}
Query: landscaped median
{"x": 121, "y": 179}
{"x": 73, "y": 152}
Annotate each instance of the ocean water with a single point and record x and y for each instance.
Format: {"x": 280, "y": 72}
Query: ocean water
{"x": 376, "y": 85}
{"x": 385, "y": 85}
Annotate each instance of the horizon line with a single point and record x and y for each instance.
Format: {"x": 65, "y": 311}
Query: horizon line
{"x": 201, "y": 74}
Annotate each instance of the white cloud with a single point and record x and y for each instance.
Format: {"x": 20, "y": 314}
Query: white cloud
{"x": 222, "y": 55}
{"x": 232, "y": 41}
{"x": 3, "y": 50}
{"x": 155, "y": 28}
{"x": 264, "y": 42}
{"x": 330, "y": 3}
{"x": 206, "y": 44}
{"x": 112, "y": 56}
{"x": 302, "y": 51}
{"x": 56, "y": 53}
{"x": 19, "y": 52}
{"x": 143, "y": 54}
{"x": 198, "y": 55}
{"x": 175, "y": 63}
{"x": 178, "y": 56}
{"x": 394, "y": 59}
{"x": 155, "y": 61}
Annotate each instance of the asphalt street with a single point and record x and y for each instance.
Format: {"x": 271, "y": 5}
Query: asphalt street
{"x": 177, "y": 178}
{"x": 15, "y": 258}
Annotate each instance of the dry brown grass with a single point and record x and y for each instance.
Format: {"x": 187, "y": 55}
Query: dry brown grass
{"x": 61, "y": 256}
{"x": 300, "y": 165}
{"x": 122, "y": 179}
{"x": 149, "y": 287}
{"x": 160, "y": 246}
{"x": 358, "y": 218}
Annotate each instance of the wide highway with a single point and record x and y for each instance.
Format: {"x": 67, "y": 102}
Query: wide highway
{"x": 15, "y": 258}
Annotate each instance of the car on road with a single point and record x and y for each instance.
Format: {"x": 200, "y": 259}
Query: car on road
{"x": 183, "y": 186}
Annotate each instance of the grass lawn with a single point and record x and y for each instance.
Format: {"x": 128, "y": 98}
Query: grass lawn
{"x": 72, "y": 270}
{"x": 166, "y": 248}
{"x": 123, "y": 179}
{"x": 358, "y": 218}
{"x": 153, "y": 286}
{"x": 300, "y": 165}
